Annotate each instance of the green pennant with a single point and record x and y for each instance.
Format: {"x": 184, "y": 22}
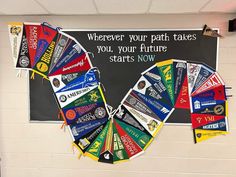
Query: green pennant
{"x": 95, "y": 148}
{"x": 93, "y": 96}
{"x": 167, "y": 74}
{"x": 141, "y": 138}
{"x": 119, "y": 153}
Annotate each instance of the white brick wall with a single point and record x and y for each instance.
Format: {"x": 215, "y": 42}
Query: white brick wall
{"x": 43, "y": 150}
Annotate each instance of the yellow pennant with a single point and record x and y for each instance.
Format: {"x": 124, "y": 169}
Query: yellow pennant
{"x": 202, "y": 135}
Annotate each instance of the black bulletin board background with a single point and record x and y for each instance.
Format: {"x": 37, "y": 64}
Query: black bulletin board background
{"x": 118, "y": 78}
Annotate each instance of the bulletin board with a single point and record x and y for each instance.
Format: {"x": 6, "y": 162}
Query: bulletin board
{"x": 121, "y": 56}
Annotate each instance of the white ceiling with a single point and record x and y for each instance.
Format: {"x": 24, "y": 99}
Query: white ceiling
{"x": 72, "y": 7}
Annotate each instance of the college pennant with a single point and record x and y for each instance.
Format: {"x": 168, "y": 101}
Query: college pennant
{"x": 93, "y": 96}
{"x": 33, "y": 31}
{"x": 199, "y": 120}
{"x": 203, "y": 74}
{"x": 182, "y": 100}
{"x": 214, "y": 107}
{"x": 89, "y": 79}
{"x": 152, "y": 125}
{"x": 142, "y": 139}
{"x": 125, "y": 116}
{"x": 23, "y": 61}
{"x": 46, "y": 36}
{"x": 62, "y": 43}
{"x": 132, "y": 149}
{"x": 217, "y": 93}
{"x": 85, "y": 113}
{"x": 180, "y": 72}
{"x": 162, "y": 111}
{"x": 94, "y": 150}
{"x": 192, "y": 73}
{"x": 42, "y": 65}
{"x": 85, "y": 141}
{"x": 144, "y": 87}
{"x": 154, "y": 77}
{"x": 132, "y": 101}
{"x": 106, "y": 154}
{"x": 81, "y": 129}
{"x": 202, "y": 135}
{"x": 166, "y": 70}
{"x": 119, "y": 153}
{"x": 212, "y": 82}
{"x": 65, "y": 98}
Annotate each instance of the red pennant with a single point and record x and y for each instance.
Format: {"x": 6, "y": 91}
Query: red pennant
{"x": 217, "y": 93}
{"x": 183, "y": 97}
{"x": 32, "y": 35}
{"x": 212, "y": 82}
{"x": 199, "y": 120}
{"x": 131, "y": 147}
{"x": 77, "y": 65}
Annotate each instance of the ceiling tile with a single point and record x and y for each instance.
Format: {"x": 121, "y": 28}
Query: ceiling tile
{"x": 177, "y": 6}
{"x": 122, "y": 6}
{"x": 226, "y": 6}
{"x": 21, "y": 7}
{"x": 69, "y": 7}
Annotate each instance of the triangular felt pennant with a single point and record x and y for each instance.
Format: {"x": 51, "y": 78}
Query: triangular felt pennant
{"x": 106, "y": 154}
{"x": 79, "y": 64}
{"x": 42, "y": 65}
{"x": 199, "y": 120}
{"x": 182, "y": 100}
{"x": 180, "y": 73}
{"x": 193, "y": 70}
{"x": 202, "y": 135}
{"x": 15, "y": 30}
{"x": 82, "y": 114}
{"x": 212, "y": 82}
{"x": 152, "y": 125}
{"x": 213, "y": 107}
{"x": 89, "y": 79}
{"x": 131, "y": 147}
{"x": 46, "y": 36}
{"x": 23, "y": 61}
{"x": 33, "y": 31}
{"x": 207, "y": 31}
{"x": 81, "y": 129}
{"x": 203, "y": 74}
{"x": 125, "y": 116}
{"x": 65, "y": 98}
{"x": 154, "y": 77}
{"x": 142, "y": 139}
{"x": 221, "y": 125}
{"x": 217, "y": 93}
{"x": 73, "y": 51}
{"x": 144, "y": 87}
{"x": 162, "y": 111}
{"x": 62, "y": 43}
{"x": 93, "y": 96}
{"x": 60, "y": 81}
{"x": 119, "y": 153}
{"x": 132, "y": 101}
{"x": 94, "y": 150}
{"x": 85, "y": 141}
{"x": 166, "y": 70}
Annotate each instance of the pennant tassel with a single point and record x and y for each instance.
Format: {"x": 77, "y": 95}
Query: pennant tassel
{"x": 32, "y": 75}
{"x": 18, "y": 74}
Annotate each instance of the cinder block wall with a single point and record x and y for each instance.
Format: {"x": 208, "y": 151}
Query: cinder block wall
{"x": 43, "y": 149}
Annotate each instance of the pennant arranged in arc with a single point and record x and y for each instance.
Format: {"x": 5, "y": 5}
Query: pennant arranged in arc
{"x": 122, "y": 134}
